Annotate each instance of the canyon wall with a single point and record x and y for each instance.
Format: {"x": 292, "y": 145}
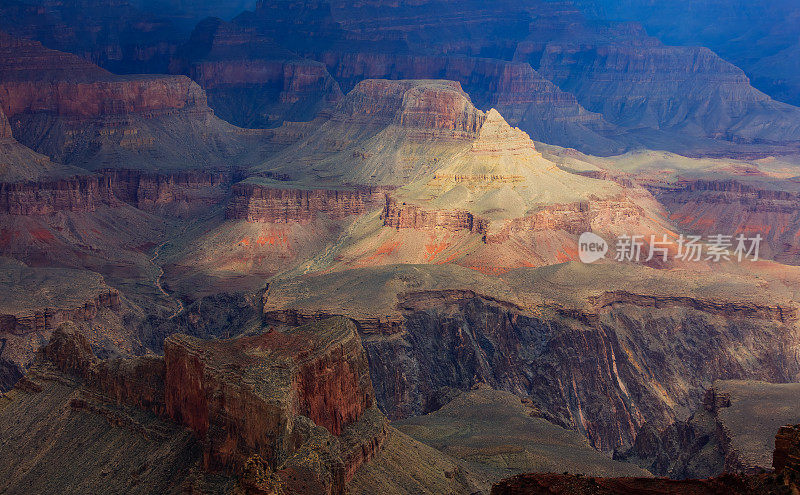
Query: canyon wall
{"x": 180, "y": 192}
{"x": 671, "y": 87}
{"x": 603, "y": 369}
{"x": 256, "y": 203}
{"x": 5, "y": 127}
{"x": 733, "y": 207}
{"x": 408, "y": 216}
{"x": 250, "y": 80}
{"x": 48, "y": 319}
{"x": 300, "y": 402}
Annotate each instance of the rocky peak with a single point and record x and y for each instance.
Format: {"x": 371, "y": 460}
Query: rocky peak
{"x": 496, "y": 135}
{"x": 432, "y": 105}
{"x": 243, "y": 396}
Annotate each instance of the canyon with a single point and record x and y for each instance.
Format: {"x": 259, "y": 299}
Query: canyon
{"x": 333, "y": 247}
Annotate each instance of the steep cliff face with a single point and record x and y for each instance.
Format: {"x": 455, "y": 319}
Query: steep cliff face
{"x": 114, "y": 34}
{"x": 731, "y": 432}
{"x": 519, "y": 92}
{"x": 732, "y": 207}
{"x": 383, "y": 133}
{"x": 78, "y": 194}
{"x": 35, "y": 301}
{"x": 78, "y": 114}
{"x": 413, "y": 217}
{"x": 181, "y": 192}
{"x": 177, "y": 193}
{"x": 646, "y": 84}
{"x": 784, "y": 450}
{"x": 251, "y": 81}
{"x": 256, "y": 203}
{"x": 562, "y": 78}
{"x": 249, "y": 396}
{"x": 601, "y": 362}
{"x": 298, "y": 404}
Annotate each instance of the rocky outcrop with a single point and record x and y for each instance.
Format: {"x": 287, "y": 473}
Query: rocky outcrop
{"x": 730, "y": 432}
{"x": 602, "y": 369}
{"x": 330, "y": 386}
{"x": 36, "y": 79}
{"x": 297, "y": 403}
{"x": 408, "y": 216}
{"x": 786, "y": 457}
{"x": 432, "y": 108}
{"x": 78, "y": 114}
{"x": 562, "y": 484}
{"x": 515, "y": 89}
{"x": 5, "y": 127}
{"x": 179, "y": 192}
{"x": 149, "y": 190}
{"x": 48, "y": 319}
{"x": 784, "y": 480}
{"x": 256, "y": 203}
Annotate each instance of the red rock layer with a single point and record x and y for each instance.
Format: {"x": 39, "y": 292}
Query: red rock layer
{"x": 145, "y": 190}
{"x": 34, "y": 79}
{"x": 434, "y": 106}
{"x": 78, "y": 194}
{"x": 248, "y": 407}
{"x": 407, "y": 216}
{"x": 731, "y": 207}
{"x": 574, "y": 218}
{"x": 48, "y": 319}
{"x": 283, "y": 396}
{"x": 256, "y": 203}
{"x": 144, "y": 95}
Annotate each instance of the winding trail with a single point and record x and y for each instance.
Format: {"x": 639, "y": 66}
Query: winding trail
{"x": 179, "y": 309}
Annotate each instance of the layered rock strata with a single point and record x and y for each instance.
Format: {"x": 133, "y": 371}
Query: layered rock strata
{"x": 602, "y": 363}
{"x": 182, "y": 190}
{"x": 79, "y": 114}
{"x": 299, "y": 403}
{"x": 256, "y": 203}
{"x": 235, "y": 66}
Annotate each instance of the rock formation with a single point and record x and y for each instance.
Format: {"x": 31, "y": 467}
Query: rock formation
{"x": 298, "y": 404}
{"x": 455, "y": 329}
{"x": 177, "y": 192}
{"x": 730, "y": 432}
{"x": 250, "y": 80}
{"x": 256, "y": 203}
{"x": 35, "y": 301}
{"x": 783, "y": 480}
{"x": 78, "y": 114}
{"x": 537, "y": 64}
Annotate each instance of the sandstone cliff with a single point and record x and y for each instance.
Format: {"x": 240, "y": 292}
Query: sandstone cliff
{"x": 383, "y": 133}
{"x": 296, "y": 403}
{"x": 256, "y": 203}
{"x": 178, "y": 193}
{"x": 35, "y": 301}
{"x": 78, "y": 114}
